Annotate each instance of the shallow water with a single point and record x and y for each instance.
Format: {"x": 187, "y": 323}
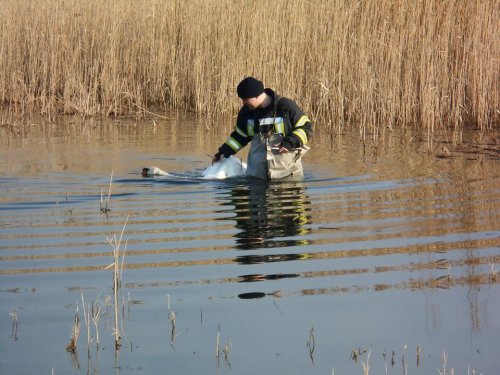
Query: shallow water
{"x": 385, "y": 250}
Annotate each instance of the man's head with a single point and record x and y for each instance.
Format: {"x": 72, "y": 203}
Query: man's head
{"x": 251, "y": 91}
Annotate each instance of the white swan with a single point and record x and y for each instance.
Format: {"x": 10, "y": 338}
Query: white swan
{"x": 226, "y": 168}
{"x": 153, "y": 171}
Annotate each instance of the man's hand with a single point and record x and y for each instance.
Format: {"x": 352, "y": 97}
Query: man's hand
{"x": 285, "y": 146}
{"x": 217, "y": 157}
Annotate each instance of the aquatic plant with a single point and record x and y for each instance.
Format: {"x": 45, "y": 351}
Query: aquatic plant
{"x": 97, "y": 314}
{"x": 86, "y": 319}
{"x": 311, "y": 344}
{"x": 15, "y": 324}
{"x": 366, "y": 365}
{"x": 75, "y": 333}
{"x": 104, "y": 202}
{"x": 117, "y": 266}
{"x": 171, "y": 319}
{"x": 222, "y": 351}
{"x": 372, "y": 64}
{"x": 493, "y": 272}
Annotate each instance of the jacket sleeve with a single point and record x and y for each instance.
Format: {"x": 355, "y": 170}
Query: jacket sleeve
{"x": 236, "y": 140}
{"x": 302, "y": 128}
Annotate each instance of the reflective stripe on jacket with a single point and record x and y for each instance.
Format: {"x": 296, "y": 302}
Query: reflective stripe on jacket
{"x": 283, "y": 117}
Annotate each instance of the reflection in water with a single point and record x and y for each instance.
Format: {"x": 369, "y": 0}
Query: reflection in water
{"x": 259, "y": 277}
{"x": 270, "y": 214}
{"x": 409, "y": 231}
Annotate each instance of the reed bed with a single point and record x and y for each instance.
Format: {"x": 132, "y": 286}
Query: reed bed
{"x": 371, "y": 64}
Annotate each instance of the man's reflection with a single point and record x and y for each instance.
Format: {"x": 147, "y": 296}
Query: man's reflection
{"x": 268, "y": 215}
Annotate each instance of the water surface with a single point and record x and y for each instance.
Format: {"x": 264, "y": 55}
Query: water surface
{"x": 387, "y": 250}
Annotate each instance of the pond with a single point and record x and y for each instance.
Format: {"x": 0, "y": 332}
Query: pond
{"x": 384, "y": 256}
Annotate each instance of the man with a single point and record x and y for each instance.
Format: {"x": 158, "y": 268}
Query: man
{"x": 278, "y": 129}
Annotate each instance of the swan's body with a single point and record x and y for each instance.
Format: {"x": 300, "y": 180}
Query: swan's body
{"x": 226, "y": 168}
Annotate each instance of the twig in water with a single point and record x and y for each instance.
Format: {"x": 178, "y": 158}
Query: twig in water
{"x": 311, "y": 343}
{"x": 15, "y": 324}
{"x": 226, "y": 350}
{"x": 86, "y": 319}
{"x": 171, "y": 318}
{"x": 356, "y": 353}
{"x": 403, "y": 361}
{"x": 444, "y": 359}
{"x": 354, "y": 356}
{"x": 217, "y": 347}
{"x": 366, "y": 365}
{"x": 105, "y": 201}
{"x": 96, "y": 316}
{"x": 493, "y": 272}
{"x": 275, "y": 304}
{"x": 117, "y": 275}
{"x": 146, "y": 111}
{"x": 75, "y": 333}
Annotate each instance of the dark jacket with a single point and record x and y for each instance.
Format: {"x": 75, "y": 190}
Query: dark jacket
{"x": 283, "y": 116}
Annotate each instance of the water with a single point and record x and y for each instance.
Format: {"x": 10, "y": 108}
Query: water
{"x": 383, "y": 250}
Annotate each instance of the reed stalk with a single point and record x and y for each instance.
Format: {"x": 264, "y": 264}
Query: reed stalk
{"x": 217, "y": 347}
{"x": 311, "y": 344}
{"x": 366, "y": 365}
{"x": 493, "y": 272}
{"x": 444, "y": 361}
{"x": 97, "y": 314}
{"x": 404, "y": 364}
{"x": 375, "y": 65}
{"x": 172, "y": 320}
{"x": 86, "y": 319}
{"x": 117, "y": 267}
{"x": 104, "y": 202}
{"x": 15, "y": 324}
{"x": 75, "y": 333}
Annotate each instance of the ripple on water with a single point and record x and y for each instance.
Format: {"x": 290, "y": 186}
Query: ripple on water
{"x": 368, "y": 255}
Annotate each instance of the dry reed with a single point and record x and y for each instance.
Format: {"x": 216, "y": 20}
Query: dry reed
{"x": 372, "y": 64}
{"x": 219, "y": 351}
{"x": 104, "y": 202}
{"x": 15, "y": 324}
{"x": 75, "y": 333}
{"x": 116, "y": 243}
{"x": 366, "y": 365}
{"x": 311, "y": 344}
{"x": 97, "y": 314}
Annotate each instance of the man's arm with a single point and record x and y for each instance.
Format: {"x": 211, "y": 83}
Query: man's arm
{"x": 302, "y": 128}
{"x": 234, "y": 143}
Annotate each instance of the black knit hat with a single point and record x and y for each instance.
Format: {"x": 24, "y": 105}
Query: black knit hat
{"x": 250, "y": 88}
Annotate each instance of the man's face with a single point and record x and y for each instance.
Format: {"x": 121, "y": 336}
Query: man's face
{"x": 252, "y": 103}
